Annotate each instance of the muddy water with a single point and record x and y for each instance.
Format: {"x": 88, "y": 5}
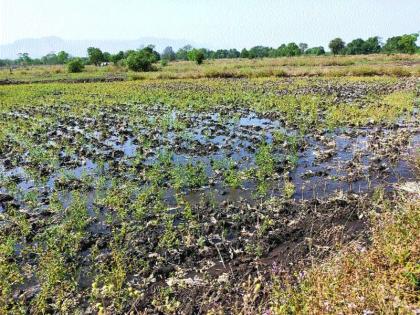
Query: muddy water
{"x": 352, "y": 159}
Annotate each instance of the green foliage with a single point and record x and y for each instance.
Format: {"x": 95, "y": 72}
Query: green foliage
{"x": 288, "y": 50}
{"x": 196, "y": 55}
{"x": 336, "y": 45}
{"x": 361, "y": 47}
{"x": 244, "y": 53}
{"x": 317, "y": 51}
{"x": 401, "y": 44}
{"x": 62, "y": 57}
{"x": 142, "y": 60}
{"x": 259, "y": 52}
{"x": 182, "y": 53}
{"x": 189, "y": 176}
{"x": 168, "y": 54}
{"x": 95, "y": 56}
{"x": 117, "y": 57}
{"x": 75, "y": 65}
{"x": 55, "y": 59}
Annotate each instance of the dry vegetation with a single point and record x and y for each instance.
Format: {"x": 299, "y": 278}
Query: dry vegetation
{"x": 378, "y": 278}
{"x": 328, "y": 66}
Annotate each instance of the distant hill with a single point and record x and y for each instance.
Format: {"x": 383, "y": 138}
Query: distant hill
{"x": 38, "y": 47}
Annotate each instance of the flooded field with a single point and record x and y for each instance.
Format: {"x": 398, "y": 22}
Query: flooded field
{"x": 128, "y": 195}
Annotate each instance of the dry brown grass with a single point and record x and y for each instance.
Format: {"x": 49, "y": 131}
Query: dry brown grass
{"x": 383, "y": 279}
{"x": 331, "y": 66}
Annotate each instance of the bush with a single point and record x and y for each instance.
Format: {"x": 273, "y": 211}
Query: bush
{"x": 142, "y": 60}
{"x": 196, "y": 55}
{"x": 75, "y": 65}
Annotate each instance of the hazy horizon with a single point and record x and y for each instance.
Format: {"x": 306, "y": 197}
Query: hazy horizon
{"x": 216, "y": 24}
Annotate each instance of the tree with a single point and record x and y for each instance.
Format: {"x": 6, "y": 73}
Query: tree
{"x": 293, "y": 50}
{"x": 168, "y": 54}
{"x": 95, "y": 56}
{"x": 303, "y": 47}
{"x": 107, "y": 57}
{"x": 259, "y": 52}
{"x": 401, "y": 44}
{"x": 117, "y": 57}
{"x": 182, "y": 53}
{"x": 196, "y": 55}
{"x": 318, "y": 51}
{"x": 75, "y": 65}
{"x": 24, "y": 59}
{"x": 244, "y": 53}
{"x": 151, "y": 50}
{"x": 336, "y": 45}
{"x": 50, "y": 59}
{"x": 372, "y": 45}
{"x": 62, "y": 57}
{"x": 142, "y": 60}
{"x": 356, "y": 47}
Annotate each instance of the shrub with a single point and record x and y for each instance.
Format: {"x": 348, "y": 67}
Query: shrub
{"x": 142, "y": 60}
{"x": 75, "y": 65}
{"x": 196, "y": 55}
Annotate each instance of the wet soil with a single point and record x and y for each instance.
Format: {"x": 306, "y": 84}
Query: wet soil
{"x": 223, "y": 234}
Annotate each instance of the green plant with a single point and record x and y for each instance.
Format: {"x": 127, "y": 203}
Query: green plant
{"x": 196, "y": 55}
{"x": 75, "y": 65}
{"x": 142, "y": 60}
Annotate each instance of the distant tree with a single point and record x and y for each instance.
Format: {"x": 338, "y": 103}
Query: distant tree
{"x": 182, "y": 53}
{"x": 233, "y": 53}
{"x": 6, "y": 62}
{"x": 151, "y": 49}
{"x": 372, "y": 45}
{"x": 128, "y": 53}
{"x": 24, "y": 59}
{"x": 337, "y": 46}
{"x": 95, "y": 56}
{"x": 355, "y": 47}
{"x": 259, "y": 52}
{"x": 303, "y": 47}
{"x": 196, "y": 55}
{"x": 75, "y": 65}
{"x": 401, "y": 44}
{"x": 293, "y": 49}
{"x": 117, "y": 57}
{"x": 49, "y": 59}
{"x": 106, "y": 57}
{"x": 142, "y": 60}
{"x": 281, "y": 51}
{"x": 244, "y": 53}
{"x": 168, "y": 54}
{"x": 318, "y": 51}
{"x": 62, "y": 57}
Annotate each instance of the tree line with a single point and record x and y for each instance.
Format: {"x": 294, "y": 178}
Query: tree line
{"x": 143, "y": 59}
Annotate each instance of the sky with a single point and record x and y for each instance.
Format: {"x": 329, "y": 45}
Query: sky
{"x": 214, "y": 23}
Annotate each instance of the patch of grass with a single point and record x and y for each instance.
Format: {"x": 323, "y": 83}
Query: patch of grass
{"x": 386, "y": 109}
{"x": 189, "y": 176}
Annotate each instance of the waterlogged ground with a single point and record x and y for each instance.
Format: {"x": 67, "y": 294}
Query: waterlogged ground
{"x": 126, "y": 196}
